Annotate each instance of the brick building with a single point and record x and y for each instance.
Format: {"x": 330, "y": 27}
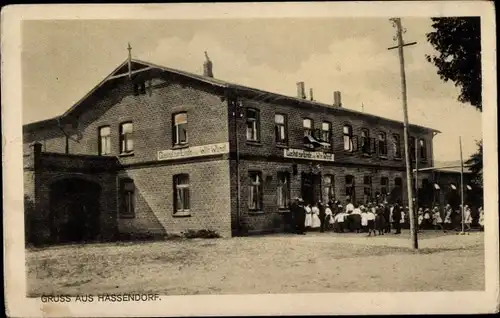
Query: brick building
{"x": 153, "y": 150}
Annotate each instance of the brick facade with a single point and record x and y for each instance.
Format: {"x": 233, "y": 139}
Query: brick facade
{"x": 218, "y": 198}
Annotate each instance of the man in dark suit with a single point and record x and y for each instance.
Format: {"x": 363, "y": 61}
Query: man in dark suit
{"x": 299, "y": 216}
{"x": 396, "y": 217}
{"x": 322, "y": 216}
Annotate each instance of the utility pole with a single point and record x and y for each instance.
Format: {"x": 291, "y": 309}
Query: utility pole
{"x": 416, "y": 175}
{"x": 462, "y": 184}
{"x": 401, "y": 44}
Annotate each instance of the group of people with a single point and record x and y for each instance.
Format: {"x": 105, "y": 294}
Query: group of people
{"x": 374, "y": 218}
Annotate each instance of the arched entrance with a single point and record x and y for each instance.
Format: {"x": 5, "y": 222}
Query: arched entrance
{"x": 74, "y": 210}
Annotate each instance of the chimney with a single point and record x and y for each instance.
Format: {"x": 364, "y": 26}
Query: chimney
{"x": 207, "y": 67}
{"x": 301, "y": 93}
{"x": 336, "y": 99}
{"x": 311, "y": 94}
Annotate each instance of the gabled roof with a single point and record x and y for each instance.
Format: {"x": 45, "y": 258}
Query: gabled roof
{"x": 139, "y": 66}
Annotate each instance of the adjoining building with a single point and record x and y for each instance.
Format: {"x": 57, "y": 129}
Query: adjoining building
{"x": 153, "y": 150}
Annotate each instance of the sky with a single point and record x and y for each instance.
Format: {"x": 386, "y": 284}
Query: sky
{"x": 64, "y": 59}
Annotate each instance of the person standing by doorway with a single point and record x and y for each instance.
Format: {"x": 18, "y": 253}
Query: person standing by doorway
{"x": 308, "y": 220}
{"x": 387, "y": 217}
{"x": 322, "y": 216}
{"x": 315, "y": 220}
{"x": 300, "y": 217}
{"x": 396, "y": 217}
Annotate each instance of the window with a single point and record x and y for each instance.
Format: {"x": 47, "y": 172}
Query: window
{"x": 348, "y": 144}
{"x": 396, "y": 146}
{"x": 365, "y": 141}
{"x": 412, "y": 148}
{"x": 179, "y": 129}
{"x": 255, "y": 191}
{"x": 104, "y": 140}
{"x": 367, "y": 189}
{"x": 328, "y": 188}
{"x": 382, "y": 145}
{"x": 127, "y": 202}
{"x": 398, "y": 183}
{"x": 140, "y": 88}
{"x": 253, "y": 123}
{"x": 308, "y": 126}
{"x": 423, "y": 150}
{"x": 280, "y": 128}
{"x": 126, "y": 140}
{"x": 283, "y": 190}
{"x": 349, "y": 188}
{"x": 326, "y": 131}
{"x": 384, "y": 184}
{"x": 181, "y": 194}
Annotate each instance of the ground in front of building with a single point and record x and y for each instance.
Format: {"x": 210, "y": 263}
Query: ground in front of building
{"x": 284, "y": 263}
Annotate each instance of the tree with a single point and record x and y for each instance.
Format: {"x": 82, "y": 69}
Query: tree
{"x": 458, "y": 43}
{"x": 476, "y": 165}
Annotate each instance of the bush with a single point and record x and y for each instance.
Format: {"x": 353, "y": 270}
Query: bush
{"x": 190, "y": 234}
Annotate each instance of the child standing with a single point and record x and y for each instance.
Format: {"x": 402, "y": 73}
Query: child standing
{"x": 437, "y": 221}
{"x": 328, "y": 217}
{"x": 420, "y": 219}
{"x": 467, "y": 217}
{"x": 371, "y": 222}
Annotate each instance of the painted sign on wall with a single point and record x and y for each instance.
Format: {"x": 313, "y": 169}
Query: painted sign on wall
{"x": 308, "y": 155}
{"x": 198, "y": 151}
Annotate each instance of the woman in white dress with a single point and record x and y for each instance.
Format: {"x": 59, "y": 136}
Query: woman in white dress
{"x": 308, "y": 222}
{"x": 437, "y": 221}
{"x": 329, "y": 217}
{"x": 364, "y": 219}
{"x": 316, "y": 222}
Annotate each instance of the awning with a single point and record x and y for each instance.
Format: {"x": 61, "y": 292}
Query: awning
{"x": 436, "y": 186}
{"x": 311, "y": 140}
{"x": 453, "y": 186}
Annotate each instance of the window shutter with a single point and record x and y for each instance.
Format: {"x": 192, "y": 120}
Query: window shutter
{"x": 355, "y": 143}
{"x": 317, "y": 134}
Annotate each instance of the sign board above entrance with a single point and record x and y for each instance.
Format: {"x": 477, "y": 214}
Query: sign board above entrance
{"x": 199, "y": 151}
{"x": 308, "y": 155}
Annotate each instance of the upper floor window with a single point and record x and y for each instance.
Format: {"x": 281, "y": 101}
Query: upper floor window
{"x": 348, "y": 138}
{"x": 280, "y": 128}
{"x": 104, "y": 140}
{"x": 423, "y": 150}
{"x": 412, "y": 148}
{"x": 255, "y": 191}
{"x": 326, "y": 132}
{"x": 179, "y": 129}
{"x": 283, "y": 194}
{"x": 126, "y": 140}
{"x": 308, "y": 127}
{"x": 253, "y": 124}
{"x": 365, "y": 141}
{"x": 181, "y": 193}
{"x": 127, "y": 198}
{"x": 328, "y": 188}
{"x": 396, "y": 146}
{"x": 382, "y": 145}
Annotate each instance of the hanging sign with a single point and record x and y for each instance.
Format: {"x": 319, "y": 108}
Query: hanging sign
{"x": 198, "y": 151}
{"x": 308, "y": 155}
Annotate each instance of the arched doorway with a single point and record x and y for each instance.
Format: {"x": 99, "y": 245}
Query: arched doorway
{"x": 74, "y": 210}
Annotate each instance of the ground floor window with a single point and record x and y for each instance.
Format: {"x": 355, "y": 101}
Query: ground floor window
{"x": 255, "y": 191}
{"x": 181, "y": 193}
{"x": 384, "y": 185}
{"x": 127, "y": 202}
{"x": 283, "y": 191}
